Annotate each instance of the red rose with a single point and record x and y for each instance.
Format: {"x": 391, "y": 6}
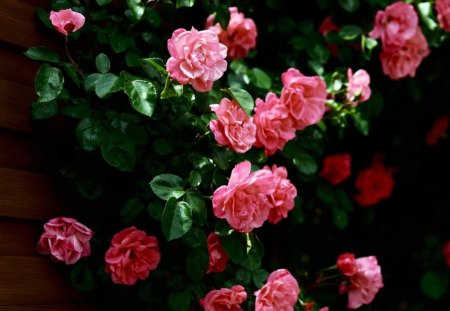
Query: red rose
{"x": 438, "y": 130}
{"x": 336, "y": 168}
{"x": 346, "y": 264}
{"x": 218, "y": 258}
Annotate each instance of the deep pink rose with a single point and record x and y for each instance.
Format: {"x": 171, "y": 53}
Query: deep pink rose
{"x": 395, "y": 25}
{"x": 438, "y": 130}
{"x": 304, "y": 97}
{"x": 374, "y": 183}
{"x": 224, "y": 299}
{"x": 446, "y": 253}
{"x": 443, "y": 14}
{"x": 358, "y": 89}
{"x": 336, "y": 168}
{"x": 233, "y": 127}
{"x": 66, "y": 21}
{"x": 240, "y": 35}
{"x": 346, "y": 264}
{"x": 131, "y": 256}
{"x": 197, "y": 57}
{"x": 282, "y": 200}
{"x": 274, "y": 126}
{"x": 65, "y": 239}
{"x": 324, "y": 309}
{"x": 279, "y": 293}
{"x": 244, "y": 201}
{"x": 365, "y": 283}
{"x": 218, "y": 258}
{"x": 401, "y": 62}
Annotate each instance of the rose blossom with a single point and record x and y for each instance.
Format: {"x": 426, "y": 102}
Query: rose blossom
{"x": 395, "y": 25}
{"x": 279, "y": 293}
{"x": 365, "y": 283}
{"x": 446, "y": 253}
{"x": 66, "y": 21}
{"x": 65, "y": 239}
{"x": 197, "y": 57}
{"x": 243, "y": 202}
{"x": 346, "y": 264}
{"x": 218, "y": 258}
{"x": 240, "y": 35}
{"x": 304, "y": 96}
{"x": 401, "y": 62}
{"x": 234, "y": 128}
{"x": 274, "y": 127}
{"x": 358, "y": 89}
{"x": 327, "y": 26}
{"x": 224, "y": 299}
{"x": 282, "y": 200}
{"x": 336, "y": 168}
{"x": 131, "y": 256}
{"x": 443, "y": 14}
{"x": 438, "y": 130}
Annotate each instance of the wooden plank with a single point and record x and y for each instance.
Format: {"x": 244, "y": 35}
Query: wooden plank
{"x": 37, "y": 3}
{"x": 19, "y": 238}
{"x": 74, "y": 307}
{"x": 18, "y": 25}
{"x": 16, "y": 67}
{"x": 34, "y": 281}
{"x": 15, "y": 101}
{"x": 29, "y": 195}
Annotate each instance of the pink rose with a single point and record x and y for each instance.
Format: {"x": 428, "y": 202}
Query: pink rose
{"x": 346, "y": 264}
{"x": 224, "y": 299}
{"x": 365, "y": 283}
{"x": 401, "y": 62}
{"x": 279, "y": 293}
{"x": 336, "y": 168}
{"x": 324, "y": 309}
{"x": 65, "y": 239}
{"x": 131, "y": 256}
{"x": 234, "y": 128}
{"x": 443, "y": 14}
{"x": 240, "y": 35}
{"x": 358, "y": 89}
{"x": 243, "y": 202}
{"x": 282, "y": 200}
{"x": 438, "y": 130}
{"x": 197, "y": 57}
{"x": 218, "y": 258}
{"x": 274, "y": 126}
{"x": 66, "y": 21}
{"x": 395, "y": 25}
{"x": 304, "y": 97}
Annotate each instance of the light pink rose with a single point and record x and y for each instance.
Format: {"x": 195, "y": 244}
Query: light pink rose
{"x": 233, "y": 127}
{"x": 131, "y": 256}
{"x": 218, "y": 258}
{"x": 224, "y": 299}
{"x": 324, "y": 309}
{"x": 404, "y": 61}
{"x": 243, "y": 202}
{"x": 282, "y": 200}
{"x": 279, "y": 293}
{"x": 240, "y": 35}
{"x": 65, "y": 239}
{"x": 197, "y": 57}
{"x": 365, "y": 283}
{"x": 304, "y": 97}
{"x": 395, "y": 25}
{"x": 274, "y": 126}
{"x": 443, "y": 14}
{"x": 358, "y": 89}
{"x": 66, "y": 21}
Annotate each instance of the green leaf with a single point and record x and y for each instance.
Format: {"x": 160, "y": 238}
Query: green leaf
{"x": 350, "y": 6}
{"x": 77, "y": 108}
{"x": 91, "y": 80}
{"x": 40, "y": 110}
{"x": 44, "y": 17}
{"x": 195, "y": 238}
{"x": 255, "y": 252}
{"x": 157, "y": 64}
{"x": 120, "y": 43}
{"x": 344, "y": 201}
{"x": 119, "y": 151}
{"x": 305, "y": 163}
{"x": 137, "y": 8}
{"x": 82, "y": 277}
{"x": 107, "y": 84}
{"x": 42, "y": 53}
{"x": 131, "y": 209}
{"x": 90, "y": 133}
{"x": 102, "y": 63}
{"x": 350, "y": 32}
{"x": 72, "y": 73}
{"x": 261, "y": 79}
{"x": 197, "y": 262}
{"x": 185, "y": 3}
{"x": 155, "y": 210}
{"x": 434, "y": 284}
{"x": 244, "y": 99}
{"x": 167, "y": 186}
{"x": 426, "y": 14}
{"x": 340, "y": 218}
{"x": 368, "y": 44}
{"x": 259, "y": 277}
{"x": 222, "y": 15}
{"x": 176, "y": 219}
{"x": 195, "y": 179}
{"x": 142, "y": 95}
{"x": 103, "y": 2}
{"x": 361, "y": 124}
{"x": 152, "y": 17}
{"x": 179, "y": 301}
{"x": 235, "y": 246}
{"x": 197, "y": 203}
{"x": 49, "y": 83}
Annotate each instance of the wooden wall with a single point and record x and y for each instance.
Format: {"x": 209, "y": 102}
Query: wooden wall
{"x": 28, "y": 195}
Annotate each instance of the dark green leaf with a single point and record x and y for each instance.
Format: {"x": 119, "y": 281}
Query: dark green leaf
{"x": 137, "y": 8}
{"x": 167, "y": 186}
{"x": 82, "y": 278}
{"x": 44, "y": 110}
{"x": 157, "y": 64}
{"x": 72, "y": 73}
{"x": 343, "y": 200}
{"x": 197, "y": 262}
{"x": 49, "y": 83}
{"x": 176, "y": 219}
{"x": 132, "y": 209}
{"x": 107, "y": 84}
{"x": 259, "y": 277}
{"x": 350, "y": 32}
{"x": 361, "y": 123}
{"x": 244, "y": 99}
{"x": 103, "y": 2}
{"x": 434, "y": 284}
{"x": 235, "y": 246}
{"x": 90, "y": 133}
{"x": 42, "y": 53}
{"x": 195, "y": 238}
{"x": 305, "y": 163}
{"x": 255, "y": 252}
{"x": 143, "y": 96}
{"x": 261, "y": 79}
{"x": 222, "y": 228}
{"x": 102, "y": 63}
{"x": 195, "y": 179}
{"x": 350, "y": 6}
{"x": 179, "y": 301}
{"x": 91, "y": 81}
{"x": 44, "y": 17}
{"x": 222, "y": 15}
{"x": 185, "y": 3}
{"x": 155, "y": 210}
{"x": 119, "y": 151}
{"x": 120, "y": 43}
{"x": 340, "y": 218}
{"x": 197, "y": 203}
{"x": 152, "y": 17}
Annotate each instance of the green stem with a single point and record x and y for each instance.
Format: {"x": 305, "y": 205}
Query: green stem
{"x": 72, "y": 61}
